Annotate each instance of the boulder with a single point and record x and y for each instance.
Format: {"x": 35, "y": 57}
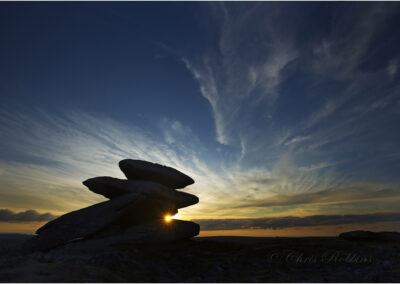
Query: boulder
{"x": 87, "y": 219}
{"x": 112, "y": 187}
{"x": 157, "y": 231}
{"x": 80, "y": 224}
{"x": 148, "y": 209}
{"x": 143, "y": 170}
{"x": 134, "y": 214}
{"x": 370, "y": 236}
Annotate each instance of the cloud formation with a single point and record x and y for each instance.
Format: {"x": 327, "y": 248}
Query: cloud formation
{"x": 290, "y": 221}
{"x": 63, "y": 150}
{"x": 243, "y": 70}
{"x": 7, "y": 215}
{"x": 329, "y": 195}
{"x": 274, "y": 93}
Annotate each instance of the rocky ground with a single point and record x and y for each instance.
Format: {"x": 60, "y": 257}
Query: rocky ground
{"x": 211, "y": 259}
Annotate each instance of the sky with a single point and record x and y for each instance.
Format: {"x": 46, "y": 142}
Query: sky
{"x": 285, "y": 114}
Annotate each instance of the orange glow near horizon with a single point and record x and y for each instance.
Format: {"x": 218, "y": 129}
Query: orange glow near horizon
{"x": 327, "y": 230}
{"x": 312, "y": 231}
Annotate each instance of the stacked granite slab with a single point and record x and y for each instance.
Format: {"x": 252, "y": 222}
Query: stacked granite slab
{"x": 135, "y": 212}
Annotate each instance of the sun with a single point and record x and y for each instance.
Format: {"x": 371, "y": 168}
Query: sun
{"x": 168, "y": 218}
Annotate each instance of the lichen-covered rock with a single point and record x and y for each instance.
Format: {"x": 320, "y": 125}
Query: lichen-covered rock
{"x": 143, "y": 170}
{"x": 112, "y": 187}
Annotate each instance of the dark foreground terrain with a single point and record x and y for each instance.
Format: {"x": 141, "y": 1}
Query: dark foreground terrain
{"x": 211, "y": 259}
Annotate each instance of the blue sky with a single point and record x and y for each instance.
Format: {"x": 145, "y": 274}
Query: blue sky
{"x": 275, "y": 109}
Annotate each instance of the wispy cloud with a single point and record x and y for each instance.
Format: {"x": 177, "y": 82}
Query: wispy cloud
{"x": 175, "y": 132}
{"x": 234, "y": 81}
{"x": 296, "y": 139}
{"x": 340, "y": 54}
{"x": 246, "y": 74}
{"x": 58, "y": 152}
{"x": 330, "y": 195}
{"x": 393, "y": 66}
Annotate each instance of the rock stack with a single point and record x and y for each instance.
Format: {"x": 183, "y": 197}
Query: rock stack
{"x": 138, "y": 210}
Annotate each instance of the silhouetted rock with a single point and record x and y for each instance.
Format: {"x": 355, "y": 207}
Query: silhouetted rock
{"x": 84, "y": 222}
{"x": 135, "y": 212}
{"x": 370, "y": 236}
{"x": 108, "y": 210}
{"x": 157, "y": 231}
{"x": 142, "y": 170}
{"x": 112, "y": 187}
{"x": 148, "y": 209}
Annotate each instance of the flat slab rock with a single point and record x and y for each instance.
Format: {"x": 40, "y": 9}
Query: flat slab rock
{"x": 112, "y": 187}
{"x": 143, "y": 170}
{"x": 157, "y": 231}
{"x": 85, "y": 222}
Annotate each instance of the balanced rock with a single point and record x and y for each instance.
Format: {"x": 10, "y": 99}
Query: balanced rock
{"x": 143, "y": 170}
{"x": 134, "y": 214}
{"x": 112, "y": 187}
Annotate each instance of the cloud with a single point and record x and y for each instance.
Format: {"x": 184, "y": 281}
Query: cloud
{"x": 246, "y": 73}
{"x": 329, "y": 195}
{"x": 7, "y": 215}
{"x": 174, "y": 131}
{"x": 297, "y": 139}
{"x": 339, "y": 58}
{"x": 53, "y": 154}
{"x": 392, "y": 67}
{"x": 209, "y": 90}
{"x": 327, "y": 109}
{"x": 290, "y": 221}
{"x": 243, "y": 70}
{"x": 340, "y": 54}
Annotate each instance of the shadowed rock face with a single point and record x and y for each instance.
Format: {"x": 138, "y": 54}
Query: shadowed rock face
{"x": 142, "y": 170}
{"x": 146, "y": 211}
{"x": 112, "y": 187}
{"x": 93, "y": 217}
{"x": 156, "y": 231}
{"x": 84, "y": 222}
